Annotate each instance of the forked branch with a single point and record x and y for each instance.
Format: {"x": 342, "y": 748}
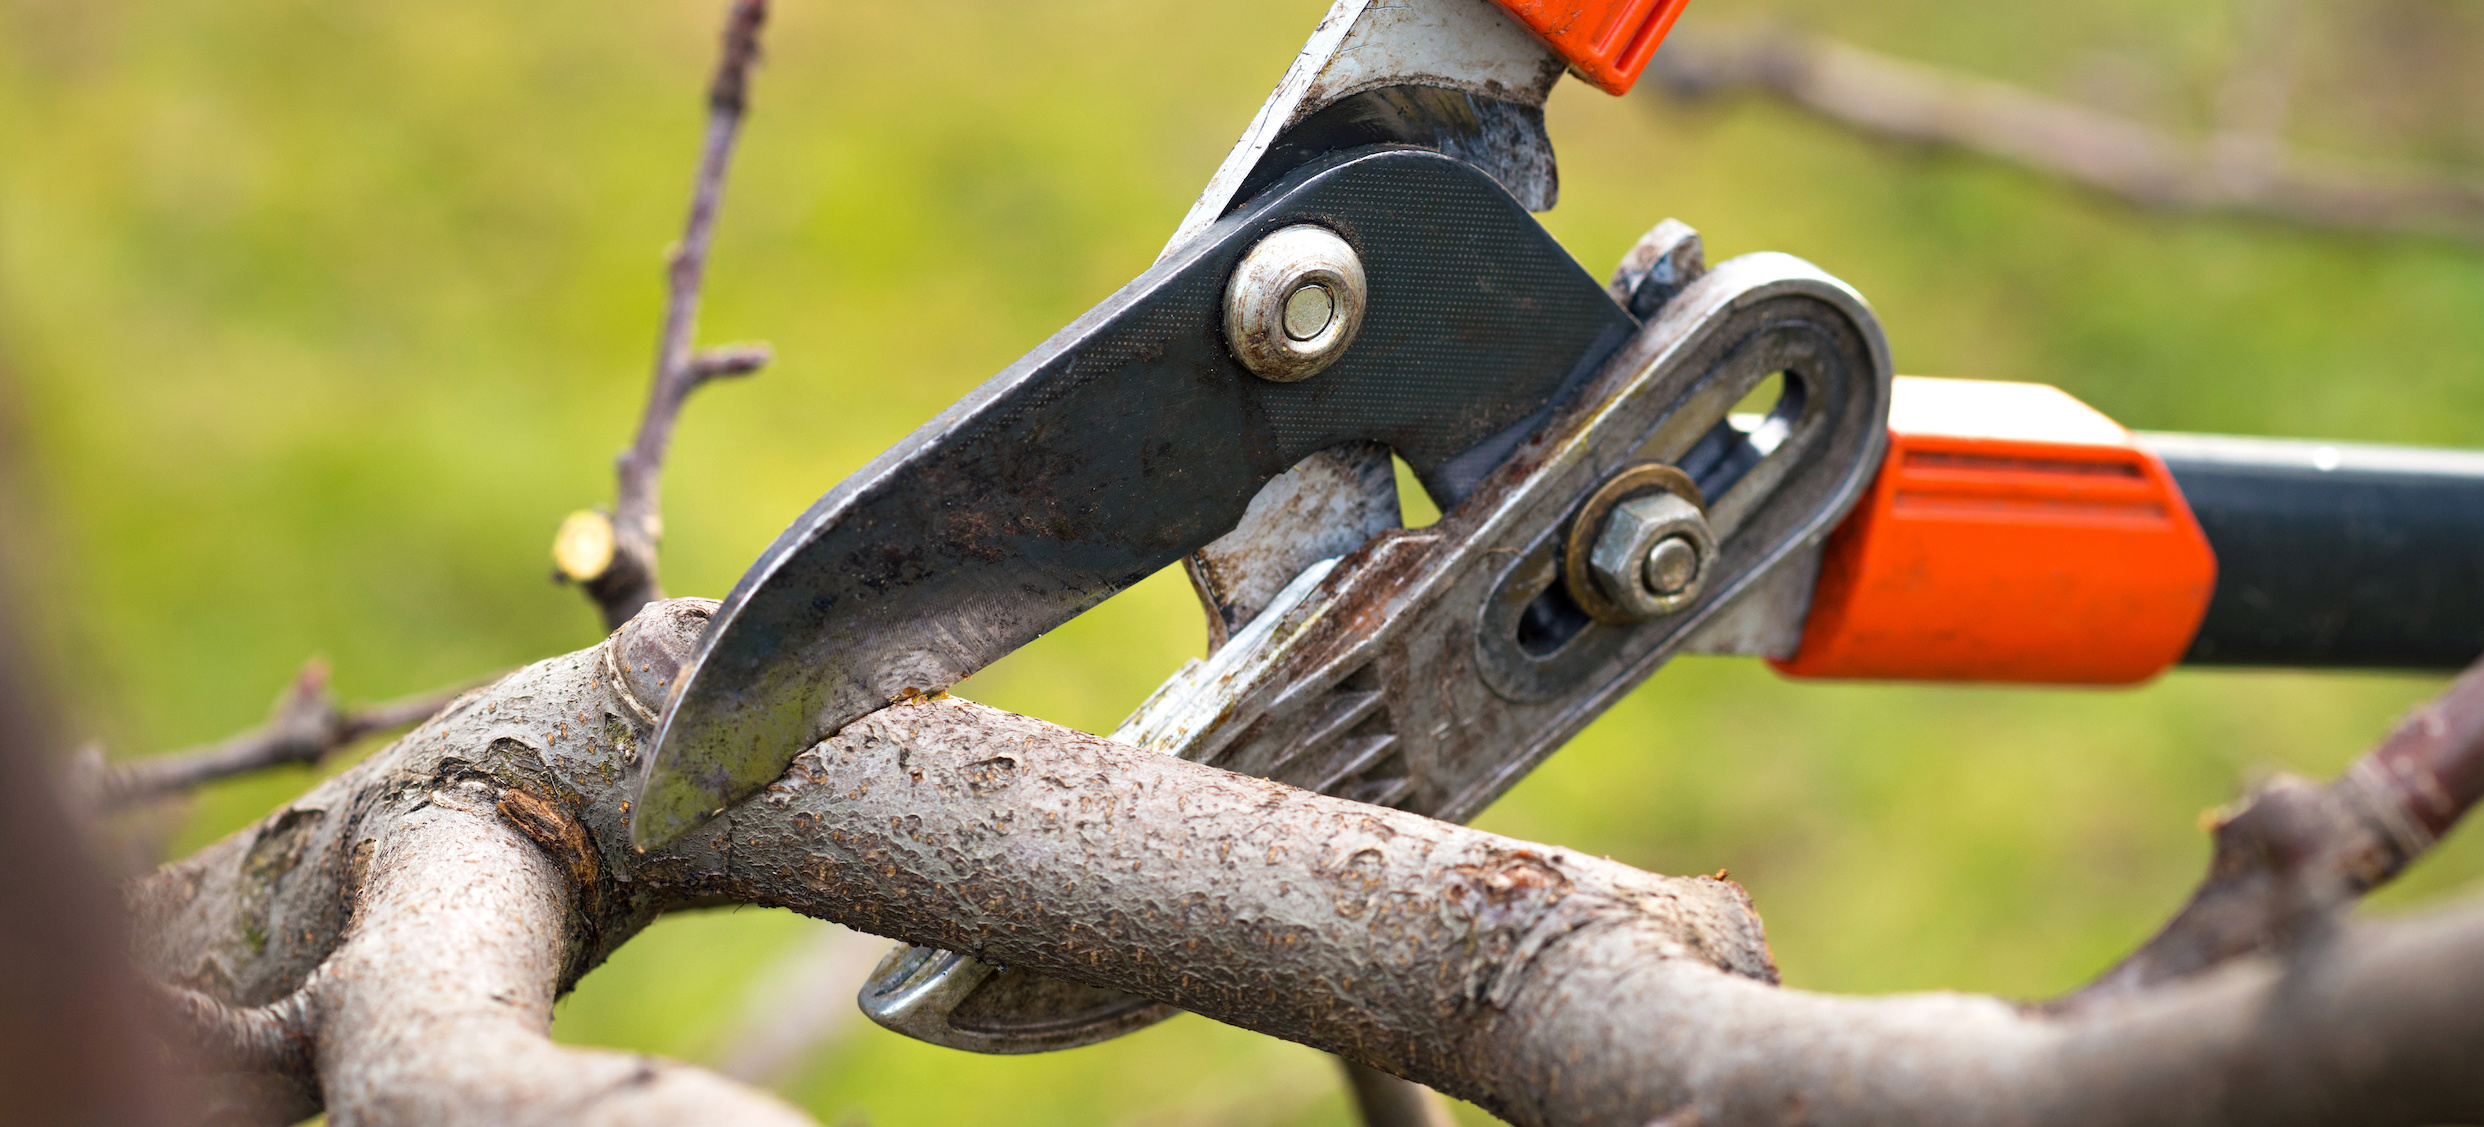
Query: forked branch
{"x": 2291, "y": 857}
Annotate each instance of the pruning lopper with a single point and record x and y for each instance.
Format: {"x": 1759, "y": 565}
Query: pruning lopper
{"x": 1361, "y": 279}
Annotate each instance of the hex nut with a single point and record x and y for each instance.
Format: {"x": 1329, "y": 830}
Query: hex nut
{"x": 1626, "y": 559}
{"x": 1294, "y": 303}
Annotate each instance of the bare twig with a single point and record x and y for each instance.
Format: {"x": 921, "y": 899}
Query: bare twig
{"x": 614, "y": 556}
{"x": 2240, "y": 170}
{"x": 2293, "y": 854}
{"x": 305, "y": 726}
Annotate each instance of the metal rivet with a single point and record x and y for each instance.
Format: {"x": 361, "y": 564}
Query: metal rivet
{"x": 1294, "y": 303}
{"x": 1309, "y": 311}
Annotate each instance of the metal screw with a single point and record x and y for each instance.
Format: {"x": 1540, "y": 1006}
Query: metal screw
{"x": 1651, "y": 555}
{"x": 1294, "y": 303}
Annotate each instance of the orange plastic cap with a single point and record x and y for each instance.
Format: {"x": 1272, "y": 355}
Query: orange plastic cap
{"x": 2014, "y": 534}
{"x": 1607, "y": 42}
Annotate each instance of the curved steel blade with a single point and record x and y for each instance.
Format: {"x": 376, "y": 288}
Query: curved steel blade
{"x": 1124, "y": 443}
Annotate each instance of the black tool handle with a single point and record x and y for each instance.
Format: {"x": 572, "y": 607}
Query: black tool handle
{"x": 2330, "y": 554}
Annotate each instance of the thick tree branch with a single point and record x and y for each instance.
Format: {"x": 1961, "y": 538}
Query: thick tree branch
{"x": 1549, "y": 987}
{"x": 305, "y": 726}
{"x": 613, "y": 556}
{"x": 2242, "y": 170}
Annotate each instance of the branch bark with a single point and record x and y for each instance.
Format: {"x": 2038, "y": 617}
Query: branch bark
{"x": 2244, "y": 169}
{"x": 613, "y": 556}
{"x": 1548, "y": 987}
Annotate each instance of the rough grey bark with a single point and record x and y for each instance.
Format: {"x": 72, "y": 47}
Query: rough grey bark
{"x": 430, "y": 903}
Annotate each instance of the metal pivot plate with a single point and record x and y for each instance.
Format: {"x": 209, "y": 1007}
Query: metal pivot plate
{"x": 1478, "y": 666}
{"x": 1127, "y": 441}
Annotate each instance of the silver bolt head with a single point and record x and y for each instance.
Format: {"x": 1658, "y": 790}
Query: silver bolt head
{"x": 1294, "y": 303}
{"x": 1652, "y": 555}
{"x": 1671, "y": 565}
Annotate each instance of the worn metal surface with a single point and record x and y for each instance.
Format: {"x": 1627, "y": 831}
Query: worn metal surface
{"x": 1426, "y": 671}
{"x": 1469, "y": 47}
{"x": 2335, "y": 554}
{"x": 1324, "y": 507}
{"x": 1667, "y": 258}
{"x": 1128, "y": 441}
{"x": 1505, "y": 140}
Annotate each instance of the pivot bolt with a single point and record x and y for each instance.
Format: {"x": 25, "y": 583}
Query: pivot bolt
{"x": 1294, "y": 303}
{"x": 1651, "y": 555}
{"x": 1672, "y": 565}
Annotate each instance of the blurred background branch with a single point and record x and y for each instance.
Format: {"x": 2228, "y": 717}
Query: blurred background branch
{"x": 305, "y": 726}
{"x": 2245, "y": 166}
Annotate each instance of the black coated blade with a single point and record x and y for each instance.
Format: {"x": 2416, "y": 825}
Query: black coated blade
{"x": 1127, "y": 441}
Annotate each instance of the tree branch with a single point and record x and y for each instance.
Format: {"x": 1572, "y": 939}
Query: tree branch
{"x": 1549, "y": 987}
{"x": 613, "y": 556}
{"x": 2243, "y": 170}
{"x": 422, "y": 1031}
{"x": 305, "y": 726}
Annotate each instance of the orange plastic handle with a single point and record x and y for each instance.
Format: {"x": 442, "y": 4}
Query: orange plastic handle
{"x": 1607, "y": 42}
{"x": 2014, "y": 534}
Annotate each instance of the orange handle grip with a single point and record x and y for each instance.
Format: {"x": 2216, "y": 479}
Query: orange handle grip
{"x": 2014, "y": 534}
{"x": 1607, "y": 42}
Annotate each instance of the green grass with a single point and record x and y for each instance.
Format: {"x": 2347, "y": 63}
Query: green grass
{"x": 319, "y": 316}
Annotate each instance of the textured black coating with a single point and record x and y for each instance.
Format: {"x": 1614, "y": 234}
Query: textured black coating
{"x": 2366, "y": 566}
{"x": 1127, "y": 441}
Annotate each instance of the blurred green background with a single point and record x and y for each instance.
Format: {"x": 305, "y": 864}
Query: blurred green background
{"x": 317, "y": 315}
